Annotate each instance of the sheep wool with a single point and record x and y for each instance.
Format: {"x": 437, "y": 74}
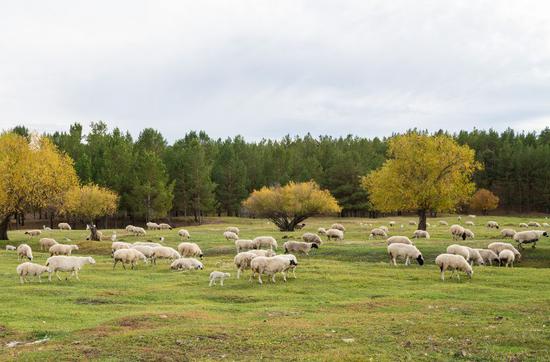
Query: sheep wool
{"x": 71, "y": 264}
{"x": 30, "y": 269}
{"x": 488, "y": 256}
{"x": 128, "y": 256}
{"x": 299, "y": 246}
{"x": 266, "y": 242}
{"x": 164, "y": 226}
{"x": 218, "y": 276}
{"x": 492, "y": 225}
{"x": 270, "y": 266}
{"x": 186, "y": 264}
{"x": 64, "y": 226}
{"x": 376, "y": 232}
{"x": 398, "y": 239}
{"x": 184, "y": 234}
{"x": 459, "y": 250}
{"x": 62, "y": 249}
{"x": 528, "y": 237}
{"x": 498, "y": 246}
{"x": 233, "y": 229}
{"x": 455, "y": 263}
{"x": 229, "y": 235}
{"x": 457, "y": 232}
{"x": 311, "y": 238}
{"x": 508, "y": 233}
{"x": 321, "y": 231}
{"x": 506, "y": 258}
{"x": 421, "y": 234}
{"x": 244, "y": 244}
{"x": 46, "y": 243}
{"x": 189, "y": 249}
{"x": 405, "y": 251}
{"x": 24, "y": 251}
{"x": 338, "y": 226}
{"x": 335, "y": 234}
{"x": 242, "y": 262}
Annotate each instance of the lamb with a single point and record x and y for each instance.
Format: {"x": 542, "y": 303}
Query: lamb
{"x": 527, "y": 237}
{"x": 32, "y": 233}
{"x": 271, "y": 266}
{"x": 469, "y": 234}
{"x": 321, "y": 231}
{"x": 411, "y": 222}
{"x": 492, "y": 225}
{"x": 454, "y": 263}
{"x": 152, "y": 226}
{"x": 233, "y": 229}
{"x": 311, "y": 238}
{"x": 66, "y": 264}
{"x": 46, "y": 243}
{"x": 534, "y": 224}
{"x": 299, "y": 246}
{"x": 186, "y": 264}
{"x": 27, "y": 268}
{"x": 164, "y": 226}
{"x": 374, "y": 233}
{"x": 267, "y": 252}
{"x": 335, "y": 234}
{"x": 117, "y": 245}
{"x": 62, "y": 249}
{"x": 244, "y": 244}
{"x": 398, "y": 250}
{"x": 128, "y": 256}
{"x": 46, "y": 228}
{"x": 24, "y": 251}
{"x": 457, "y": 232}
{"x": 488, "y": 256}
{"x": 421, "y": 234}
{"x": 145, "y": 250}
{"x": 523, "y": 225}
{"x": 506, "y": 257}
{"x": 64, "y": 226}
{"x": 184, "y": 234}
{"x": 217, "y": 275}
{"x": 10, "y": 248}
{"x": 229, "y": 235}
{"x": 242, "y": 262}
{"x": 498, "y": 246}
{"x": 443, "y": 222}
{"x": 164, "y": 252}
{"x": 265, "y": 241}
{"x": 338, "y": 227}
{"x": 190, "y": 249}
{"x": 508, "y": 233}
{"x": 470, "y": 223}
{"x": 459, "y": 250}
{"x": 398, "y": 240}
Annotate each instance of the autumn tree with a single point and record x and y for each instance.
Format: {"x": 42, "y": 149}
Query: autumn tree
{"x": 484, "y": 201}
{"x": 89, "y": 202}
{"x": 33, "y": 175}
{"x": 289, "y": 205}
{"x": 422, "y": 173}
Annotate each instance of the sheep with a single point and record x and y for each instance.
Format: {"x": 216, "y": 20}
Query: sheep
{"x": 527, "y": 237}
{"x": 545, "y": 224}
{"x": 454, "y": 263}
{"x": 189, "y": 249}
{"x": 428, "y": 224}
{"x": 46, "y": 228}
{"x": 506, "y": 257}
{"x": 145, "y": 250}
{"x": 139, "y": 231}
{"x": 457, "y": 232}
{"x": 117, "y": 245}
{"x": 421, "y": 234}
{"x": 27, "y": 268}
{"x": 385, "y": 228}
{"x": 46, "y": 243}
{"x": 152, "y": 226}
{"x": 64, "y": 226}
{"x": 66, "y": 264}
{"x": 488, "y": 256}
{"x": 271, "y": 266}
{"x": 443, "y": 222}
{"x": 244, "y": 244}
{"x": 62, "y": 249}
{"x": 398, "y": 240}
{"x": 184, "y": 234}
{"x": 125, "y": 256}
{"x": 338, "y": 227}
{"x": 164, "y": 226}
{"x": 475, "y": 256}
{"x": 374, "y": 233}
{"x": 470, "y": 223}
{"x": 299, "y": 246}
{"x": 233, "y": 229}
{"x": 412, "y": 222}
{"x": 292, "y": 266}
{"x": 322, "y": 231}
{"x": 508, "y": 233}
{"x": 146, "y": 243}
{"x": 523, "y": 225}
{"x": 459, "y": 250}
{"x": 128, "y": 228}
{"x": 242, "y": 262}
{"x": 164, "y": 252}
{"x": 472, "y": 216}
{"x": 533, "y": 224}
{"x": 459, "y": 218}
{"x": 492, "y": 225}
{"x": 300, "y": 226}
{"x": 265, "y": 241}
{"x": 498, "y": 246}
{"x": 391, "y": 223}
{"x": 32, "y": 233}
{"x": 335, "y": 234}
{"x": 10, "y": 248}
{"x": 186, "y": 264}
{"x": 229, "y": 235}
{"x": 267, "y": 252}
{"x": 24, "y": 251}
{"x": 217, "y": 275}
{"x": 469, "y": 234}
{"x": 408, "y": 252}
{"x": 311, "y": 238}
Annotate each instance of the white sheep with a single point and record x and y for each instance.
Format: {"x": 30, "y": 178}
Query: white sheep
{"x": 391, "y": 223}
{"x": 457, "y": 232}
{"x": 270, "y": 266}
{"x": 64, "y": 226}
{"x": 30, "y": 269}
{"x": 229, "y": 235}
{"x": 470, "y": 223}
{"x": 117, "y": 245}
{"x": 128, "y": 256}
{"x": 242, "y": 262}
{"x": 475, "y": 256}
{"x": 459, "y": 218}
{"x": 46, "y": 243}
{"x": 338, "y": 226}
{"x": 218, "y": 275}
{"x": 145, "y": 250}
{"x": 523, "y": 225}
{"x": 32, "y": 233}
{"x": 408, "y": 252}
{"x": 233, "y": 229}
{"x": 506, "y": 257}
{"x": 266, "y": 252}
{"x": 421, "y": 234}
{"x": 189, "y": 249}
{"x": 46, "y": 228}
{"x": 299, "y": 246}
{"x": 164, "y": 252}
{"x": 128, "y": 228}
{"x": 24, "y": 251}
{"x": 184, "y": 234}
{"x": 459, "y": 250}
{"x": 412, "y": 222}
{"x": 265, "y": 242}
{"x": 10, "y": 248}
{"x": 139, "y": 231}
{"x": 443, "y": 222}
{"x": 186, "y": 264}
{"x": 152, "y": 226}
{"x": 533, "y": 224}
{"x": 492, "y": 225}
{"x": 498, "y": 246}
{"x": 545, "y": 224}
{"x": 62, "y": 249}
{"x": 398, "y": 239}
{"x": 291, "y": 267}
{"x": 311, "y": 238}
{"x": 146, "y": 243}
{"x": 488, "y": 256}
{"x": 385, "y": 228}
{"x": 374, "y": 233}
{"x": 508, "y": 233}
{"x": 472, "y": 216}
{"x": 244, "y": 244}
{"x": 335, "y": 234}
{"x": 454, "y": 263}
{"x": 71, "y": 264}
{"x": 321, "y": 231}
{"x": 528, "y": 237}
{"x": 469, "y": 234}
{"x": 165, "y": 226}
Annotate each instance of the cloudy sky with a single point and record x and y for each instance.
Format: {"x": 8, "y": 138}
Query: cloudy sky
{"x": 270, "y": 68}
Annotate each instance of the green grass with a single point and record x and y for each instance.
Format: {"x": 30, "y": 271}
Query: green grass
{"x": 347, "y": 303}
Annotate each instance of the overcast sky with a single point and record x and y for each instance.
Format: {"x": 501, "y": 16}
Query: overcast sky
{"x": 270, "y": 68}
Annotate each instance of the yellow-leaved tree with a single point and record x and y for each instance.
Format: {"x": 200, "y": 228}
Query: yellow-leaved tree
{"x": 484, "y": 201}
{"x": 289, "y": 205}
{"x": 33, "y": 175}
{"x": 90, "y": 202}
{"x": 422, "y": 173}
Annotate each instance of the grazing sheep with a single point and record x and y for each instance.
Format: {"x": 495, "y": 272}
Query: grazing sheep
{"x": 32, "y": 233}
{"x": 508, "y": 233}
{"x": 152, "y": 226}
{"x": 71, "y": 264}
{"x": 454, "y": 263}
{"x": 311, "y": 238}
{"x": 335, "y": 234}
{"x": 506, "y": 257}
{"x": 10, "y": 248}
{"x": 421, "y": 234}
{"x": 374, "y": 233}
{"x": 391, "y": 223}
{"x": 24, "y": 251}
{"x": 472, "y": 216}
{"x": 46, "y": 243}
{"x": 469, "y": 234}
{"x": 398, "y": 240}
{"x": 321, "y": 231}
{"x": 244, "y": 244}
{"x": 64, "y": 226}
{"x": 492, "y": 225}
{"x": 475, "y": 256}
{"x": 46, "y": 228}
{"x": 164, "y": 226}
{"x": 184, "y": 234}
{"x": 242, "y": 262}
{"x": 62, "y": 249}
{"x": 189, "y": 249}
{"x": 488, "y": 256}
{"x": 229, "y": 235}
{"x": 338, "y": 227}
{"x": 139, "y": 231}
{"x": 443, "y": 222}
{"x": 271, "y": 266}
{"x": 499, "y": 246}
{"x": 470, "y": 223}
{"x": 523, "y": 225}
{"x": 266, "y": 252}
{"x": 299, "y": 246}
{"x": 291, "y": 267}
{"x": 128, "y": 228}
{"x": 408, "y": 252}
{"x": 233, "y": 229}
{"x": 146, "y": 243}
{"x": 32, "y": 269}
{"x": 117, "y": 245}
{"x": 545, "y": 224}
{"x": 186, "y": 264}
{"x": 533, "y": 224}
{"x": 164, "y": 252}
{"x": 412, "y": 222}
{"x": 527, "y": 237}
{"x": 265, "y": 242}
{"x": 145, "y": 250}
{"x": 459, "y": 250}
{"x": 128, "y": 256}
{"x": 300, "y": 226}
{"x": 218, "y": 275}
{"x": 385, "y": 228}
{"x": 457, "y": 232}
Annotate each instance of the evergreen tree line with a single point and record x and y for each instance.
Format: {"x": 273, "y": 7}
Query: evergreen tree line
{"x": 197, "y": 175}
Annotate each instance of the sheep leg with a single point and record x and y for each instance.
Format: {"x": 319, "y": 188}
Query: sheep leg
{"x": 40, "y": 279}
{"x": 260, "y": 278}
{"x": 76, "y": 274}
{"x": 57, "y": 275}
{"x": 294, "y": 272}
{"x": 239, "y": 273}
{"x": 221, "y": 282}
{"x": 284, "y": 276}
{"x": 273, "y": 278}
{"x": 21, "y": 279}
{"x": 407, "y": 261}
{"x": 114, "y": 264}
{"x": 212, "y": 282}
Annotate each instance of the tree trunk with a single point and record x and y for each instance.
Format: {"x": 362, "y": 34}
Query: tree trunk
{"x": 422, "y": 219}
{"x": 4, "y": 223}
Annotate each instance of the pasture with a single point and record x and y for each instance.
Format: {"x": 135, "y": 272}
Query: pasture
{"x": 347, "y": 303}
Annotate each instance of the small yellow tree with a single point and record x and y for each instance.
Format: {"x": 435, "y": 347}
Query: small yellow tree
{"x": 291, "y": 204}
{"x": 422, "y": 173}
{"x": 484, "y": 201}
{"x": 90, "y": 202}
{"x": 33, "y": 175}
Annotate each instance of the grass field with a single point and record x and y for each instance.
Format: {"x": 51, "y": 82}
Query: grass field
{"x": 347, "y": 303}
